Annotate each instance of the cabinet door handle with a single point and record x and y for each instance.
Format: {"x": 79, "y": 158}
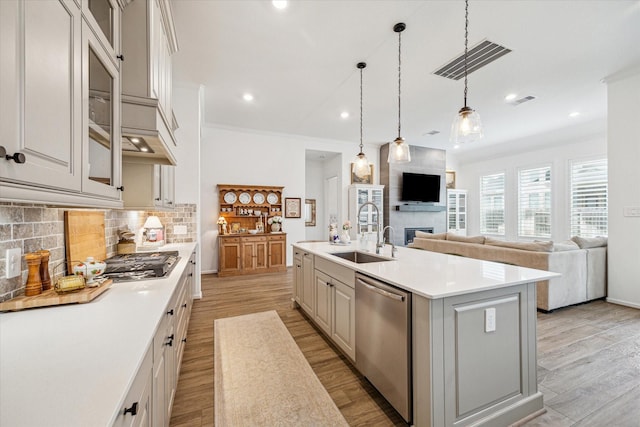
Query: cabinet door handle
{"x": 184, "y": 305}
{"x": 170, "y": 312}
{"x": 133, "y": 410}
{"x": 170, "y": 342}
{"x": 120, "y": 57}
{"x": 16, "y": 157}
{"x": 184, "y": 340}
{"x": 121, "y": 188}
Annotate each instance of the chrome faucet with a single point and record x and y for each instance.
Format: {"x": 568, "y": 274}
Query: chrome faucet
{"x": 378, "y": 244}
{"x": 394, "y": 250}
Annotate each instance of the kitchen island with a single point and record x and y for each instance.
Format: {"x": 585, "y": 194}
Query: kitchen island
{"x": 76, "y": 365}
{"x": 471, "y": 334}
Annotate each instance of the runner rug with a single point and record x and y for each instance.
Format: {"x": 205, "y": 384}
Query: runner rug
{"x": 263, "y": 379}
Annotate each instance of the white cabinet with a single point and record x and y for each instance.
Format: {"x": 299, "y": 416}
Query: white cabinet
{"x": 148, "y": 186}
{"x": 457, "y": 212}
{"x": 344, "y": 318}
{"x": 307, "y": 294}
{"x": 324, "y": 301}
{"x": 45, "y": 104}
{"x": 136, "y": 410}
{"x": 367, "y": 223}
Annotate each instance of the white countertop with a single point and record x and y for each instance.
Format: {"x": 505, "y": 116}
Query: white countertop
{"x": 430, "y": 274}
{"x": 72, "y": 365}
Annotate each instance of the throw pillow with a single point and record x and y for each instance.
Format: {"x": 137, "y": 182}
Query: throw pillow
{"x": 566, "y": 245}
{"x": 590, "y": 242}
{"x": 525, "y": 246}
{"x": 473, "y": 239}
{"x": 424, "y": 235}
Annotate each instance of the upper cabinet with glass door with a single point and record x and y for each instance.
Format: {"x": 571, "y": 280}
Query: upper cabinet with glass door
{"x": 103, "y": 17}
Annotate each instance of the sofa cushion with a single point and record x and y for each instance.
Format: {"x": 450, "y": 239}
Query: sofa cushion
{"x": 590, "y": 242}
{"x": 525, "y": 246}
{"x": 464, "y": 239}
{"x": 565, "y": 245}
{"x": 425, "y": 235}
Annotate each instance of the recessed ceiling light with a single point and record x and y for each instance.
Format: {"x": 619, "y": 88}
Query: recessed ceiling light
{"x": 574, "y": 114}
{"x": 344, "y": 114}
{"x": 511, "y": 97}
{"x": 280, "y": 4}
{"x": 134, "y": 140}
{"x": 145, "y": 149}
{"x": 455, "y": 147}
{"x": 247, "y": 97}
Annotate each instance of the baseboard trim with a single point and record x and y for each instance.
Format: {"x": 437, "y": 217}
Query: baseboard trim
{"x": 622, "y": 302}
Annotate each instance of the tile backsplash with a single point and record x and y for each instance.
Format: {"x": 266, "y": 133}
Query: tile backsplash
{"x": 34, "y": 227}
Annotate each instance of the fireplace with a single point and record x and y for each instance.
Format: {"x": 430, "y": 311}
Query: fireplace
{"x": 410, "y": 233}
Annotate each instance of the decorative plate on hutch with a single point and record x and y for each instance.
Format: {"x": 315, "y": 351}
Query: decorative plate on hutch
{"x": 244, "y": 198}
{"x": 258, "y": 198}
{"x": 272, "y": 198}
{"x": 230, "y": 197}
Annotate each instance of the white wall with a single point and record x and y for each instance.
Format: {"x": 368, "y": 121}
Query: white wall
{"x": 468, "y": 178}
{"x": 187, "y": 102}
{"x": 624, "y": 176}
{"x": 242, "y": 156}
{"x": 314, "y": 189}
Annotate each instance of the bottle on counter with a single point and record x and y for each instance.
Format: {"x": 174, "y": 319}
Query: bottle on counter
{"x": 44, "y": 269}
{"x": 34, "y": 283}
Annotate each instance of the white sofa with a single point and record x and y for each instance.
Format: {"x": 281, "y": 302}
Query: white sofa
{"x": 581, "y": 261}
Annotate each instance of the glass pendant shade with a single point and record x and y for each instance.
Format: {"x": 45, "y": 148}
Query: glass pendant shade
{"x": 466, "y": 127}
{"x": 399, "y": 151}
{"x": 361, "y": 167}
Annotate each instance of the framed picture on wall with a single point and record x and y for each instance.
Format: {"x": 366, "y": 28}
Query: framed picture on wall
{"x": 292, "y": 207}
{"x": 451, "y": 179}
{"x": 364, "y": 180}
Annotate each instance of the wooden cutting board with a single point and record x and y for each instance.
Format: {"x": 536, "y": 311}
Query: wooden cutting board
{"x": 51, "y": 298}
{"x": 84, "y": 236}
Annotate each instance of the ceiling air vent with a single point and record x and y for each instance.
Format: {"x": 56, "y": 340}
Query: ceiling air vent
{"x": 478, "y": 56}
{"x": 432, "y": 132}
{"x": 517, "y": 102}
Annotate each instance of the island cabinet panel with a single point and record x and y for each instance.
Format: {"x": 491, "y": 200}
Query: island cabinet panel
{"x": 470, "y": 371}
{"x": 297, "y": 276}
{"x": 324, "y": 303}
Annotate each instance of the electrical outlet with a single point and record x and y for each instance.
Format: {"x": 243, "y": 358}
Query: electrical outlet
{"x": 490, "y": 320}
{"x": 631, "y": 211}
{"x": 180, "y": 229}
{"x": 14, "y": 262}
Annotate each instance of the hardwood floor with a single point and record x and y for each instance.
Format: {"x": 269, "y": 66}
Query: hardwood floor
{"x": 588, "y": 359}
{"x": 358, "y": 401}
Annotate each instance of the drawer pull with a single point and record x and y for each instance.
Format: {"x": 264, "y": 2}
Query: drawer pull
{"x": 133, "y": 410}
{"x": 184, "y": 340}
{"x": 184, "y": 305}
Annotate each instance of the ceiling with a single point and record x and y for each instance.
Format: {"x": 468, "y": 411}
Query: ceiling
{"x": 300, "y": 66}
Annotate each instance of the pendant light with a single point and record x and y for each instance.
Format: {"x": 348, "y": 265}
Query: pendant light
{"x": 361, "y": 167}
{"x": 399, "y": 149}
{"x": 467, "y": 126}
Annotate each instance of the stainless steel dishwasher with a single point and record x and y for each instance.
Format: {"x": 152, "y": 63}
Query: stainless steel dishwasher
{"x": 383, "y": 341}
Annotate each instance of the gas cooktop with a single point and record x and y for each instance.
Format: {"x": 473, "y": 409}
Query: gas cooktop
{"x": 141, "y": 266}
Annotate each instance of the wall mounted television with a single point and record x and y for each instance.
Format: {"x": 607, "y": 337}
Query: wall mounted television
{"x": 418, "y": 187}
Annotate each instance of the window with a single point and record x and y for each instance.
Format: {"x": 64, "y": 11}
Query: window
{"x": 534, "y": 202}
{"x": 589, "y": 198}
{"x": 492, "y": 204}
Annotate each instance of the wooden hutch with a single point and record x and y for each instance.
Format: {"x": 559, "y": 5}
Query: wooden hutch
{"x": 244, "y": 207}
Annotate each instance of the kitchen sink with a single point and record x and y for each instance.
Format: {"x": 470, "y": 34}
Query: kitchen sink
{"x": 360, "y": 257}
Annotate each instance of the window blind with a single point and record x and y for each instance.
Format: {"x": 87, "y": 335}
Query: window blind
{"x": 534, "y": 202}
{"x": 589, "y": 198}
{"x": 492, "y": 204}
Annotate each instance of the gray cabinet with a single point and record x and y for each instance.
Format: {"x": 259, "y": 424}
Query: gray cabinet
{"x": 334, "y": 296}
{"x": 483, "y": 344}
{"x": 53, "y": 64}
{"x": 307, "y": 297}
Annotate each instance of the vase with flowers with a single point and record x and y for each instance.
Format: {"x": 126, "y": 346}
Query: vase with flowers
{"x": 345, "y": 237}
{"x": 275, "y": 223}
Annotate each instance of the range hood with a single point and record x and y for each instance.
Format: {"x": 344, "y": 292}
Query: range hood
{"x": 147, "y": 136}
{"x": 148, "y": 41}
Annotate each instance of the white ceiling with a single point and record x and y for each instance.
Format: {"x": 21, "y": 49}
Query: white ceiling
{"x": 300, "y": 65}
